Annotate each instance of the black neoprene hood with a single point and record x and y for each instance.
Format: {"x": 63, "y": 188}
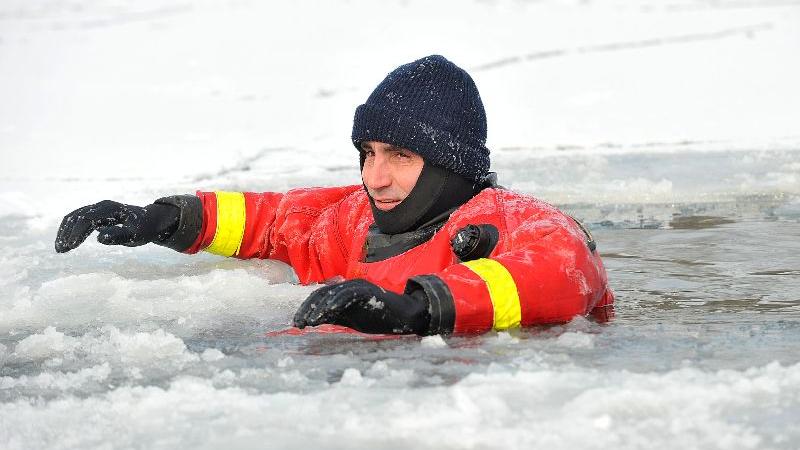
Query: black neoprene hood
{"x": 436, "y": 192}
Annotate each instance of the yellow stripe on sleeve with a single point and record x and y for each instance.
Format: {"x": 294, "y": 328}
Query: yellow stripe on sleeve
{"x": 502, "y": 290}
{"x": 230, "y": 224}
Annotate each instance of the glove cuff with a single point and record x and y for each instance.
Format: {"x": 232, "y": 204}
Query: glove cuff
{"x": 189, "y": 224}
{"x": 441, "y": 308}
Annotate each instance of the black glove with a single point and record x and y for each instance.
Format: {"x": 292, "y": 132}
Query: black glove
{"x": 117, "y": 224}
{"x": 365, "y": 307}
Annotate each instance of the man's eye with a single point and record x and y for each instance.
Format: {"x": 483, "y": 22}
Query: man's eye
{"x": 369, "y": 153}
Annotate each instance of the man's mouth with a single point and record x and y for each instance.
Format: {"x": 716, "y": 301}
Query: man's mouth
{"x": 386, "y": 204}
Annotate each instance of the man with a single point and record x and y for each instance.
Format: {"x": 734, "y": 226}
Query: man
{"x": 428, "y": 244}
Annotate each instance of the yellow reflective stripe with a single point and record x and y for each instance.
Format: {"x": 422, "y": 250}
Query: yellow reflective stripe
{"x": 230, "y": 224}
{"x": 502, "y": 291}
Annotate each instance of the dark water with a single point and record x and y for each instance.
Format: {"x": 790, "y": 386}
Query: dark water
{"x": 720, "y": 296}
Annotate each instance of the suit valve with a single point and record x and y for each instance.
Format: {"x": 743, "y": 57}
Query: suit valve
{"x": 474, "y": 241}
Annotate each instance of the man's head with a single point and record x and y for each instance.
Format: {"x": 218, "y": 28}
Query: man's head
{"x": 432, "y": 107}
{"x": 422, "y": 136}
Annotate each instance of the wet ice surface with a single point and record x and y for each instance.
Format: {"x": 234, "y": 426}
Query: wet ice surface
{"x": 147, "y": 348}
{"x": 670, "y": 128}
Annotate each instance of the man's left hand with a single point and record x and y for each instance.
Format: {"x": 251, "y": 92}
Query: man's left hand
{"x": 365, "y": 307}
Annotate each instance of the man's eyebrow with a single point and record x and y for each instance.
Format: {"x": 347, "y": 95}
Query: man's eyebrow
{"x": 389, "y": 147}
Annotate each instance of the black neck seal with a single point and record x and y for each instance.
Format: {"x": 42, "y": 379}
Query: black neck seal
{"x": 438, "y": 191}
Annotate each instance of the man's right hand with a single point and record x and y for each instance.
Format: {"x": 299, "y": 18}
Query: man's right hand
{"x": 117, "y": 224}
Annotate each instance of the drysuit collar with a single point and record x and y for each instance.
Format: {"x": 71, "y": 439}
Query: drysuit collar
{"x": 438, "y": 192}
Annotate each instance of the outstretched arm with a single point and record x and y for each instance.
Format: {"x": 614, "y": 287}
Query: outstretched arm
{"x": 299, "y": 227}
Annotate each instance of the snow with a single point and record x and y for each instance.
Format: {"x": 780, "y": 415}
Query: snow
{"x": 211, "y": 355}
{"x": 521, "y": 410}
{"x": 575, "y": 340}
{"x": 374, "y": 303}
{"x": 678, "y": 116}
{"x": 434, "y": 341}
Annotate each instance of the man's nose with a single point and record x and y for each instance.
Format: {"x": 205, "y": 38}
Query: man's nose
{"x": 377, "y": 175}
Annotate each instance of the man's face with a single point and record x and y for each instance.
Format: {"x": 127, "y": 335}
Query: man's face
{"x": 389, "y": 173}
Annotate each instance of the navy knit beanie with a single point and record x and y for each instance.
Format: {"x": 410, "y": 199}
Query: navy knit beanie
{"x": 432, "y": 107}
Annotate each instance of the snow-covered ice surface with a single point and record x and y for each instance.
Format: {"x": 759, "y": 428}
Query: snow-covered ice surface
{"x": 671, "y": 127}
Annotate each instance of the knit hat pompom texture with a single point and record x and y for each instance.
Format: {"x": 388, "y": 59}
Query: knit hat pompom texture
{"x": 432, "y": 107}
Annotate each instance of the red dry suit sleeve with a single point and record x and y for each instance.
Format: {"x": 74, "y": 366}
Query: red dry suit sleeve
{"x": 544, "y": 273}
{"x": 298, "y": 228}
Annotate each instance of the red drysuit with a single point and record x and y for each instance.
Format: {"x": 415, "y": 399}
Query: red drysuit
{"x": 540, "y": 271}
